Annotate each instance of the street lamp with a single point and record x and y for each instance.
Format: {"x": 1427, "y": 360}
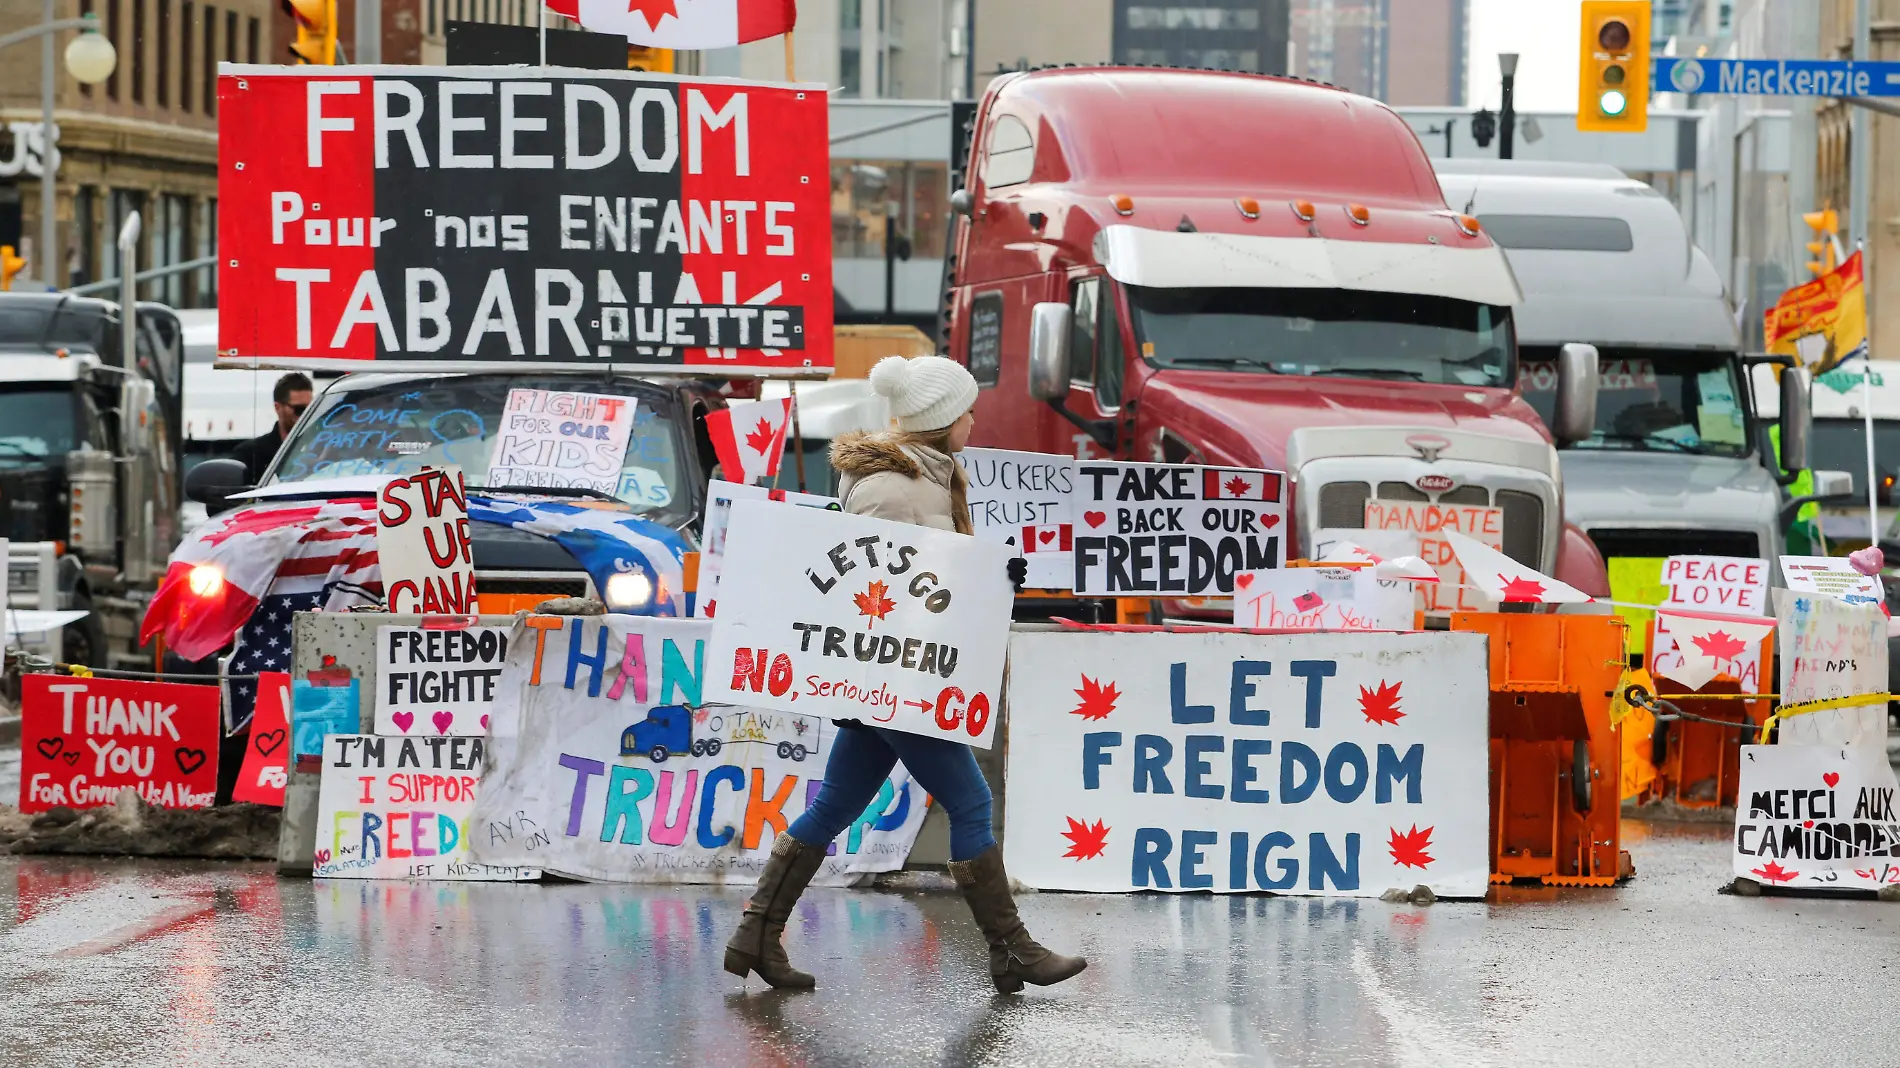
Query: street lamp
{"x": 90, "y": 58}
{"x": 1507, "y": 117}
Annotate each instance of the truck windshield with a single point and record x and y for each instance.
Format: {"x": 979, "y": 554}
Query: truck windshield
{"x": 37, "y": 423}
{"x": 1653, "y": 399}
{"x": 1841, "y": 445}
{"x": 1348, "y": 333}
{"x": 406, "y": 425}
{"x": 48, "y": 325}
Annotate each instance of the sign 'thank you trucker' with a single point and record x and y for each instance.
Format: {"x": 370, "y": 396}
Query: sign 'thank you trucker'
{"x": 523, "y": 216}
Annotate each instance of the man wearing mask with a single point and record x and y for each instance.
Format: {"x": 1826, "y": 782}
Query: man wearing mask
{"x": 290, "y": 397}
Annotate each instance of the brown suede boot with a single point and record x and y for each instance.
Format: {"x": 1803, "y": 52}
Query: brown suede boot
{"x": 758, "y": 944}
{"x": 1015, "y": 958}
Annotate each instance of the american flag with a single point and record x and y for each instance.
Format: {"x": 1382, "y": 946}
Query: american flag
{"x": 263, "y": 645}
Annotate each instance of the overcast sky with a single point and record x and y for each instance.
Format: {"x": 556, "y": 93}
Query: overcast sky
{"x": 1544, "y": 35}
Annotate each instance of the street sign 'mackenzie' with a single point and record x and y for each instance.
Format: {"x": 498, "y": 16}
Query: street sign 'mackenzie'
{"x": 522, "y": 216}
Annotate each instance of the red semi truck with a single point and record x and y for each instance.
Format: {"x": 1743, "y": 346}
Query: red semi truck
{"x": 1248, "y": 271}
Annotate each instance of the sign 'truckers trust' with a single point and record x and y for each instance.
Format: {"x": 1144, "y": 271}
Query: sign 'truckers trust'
{"x": 411, "y": 215}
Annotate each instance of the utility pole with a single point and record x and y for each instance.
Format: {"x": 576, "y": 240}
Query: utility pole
{"x": 49, "y": 260}
{"x": 369, "y": 31}
{"x": 1861, "y": 157}
{"x": 1507, "y": 117}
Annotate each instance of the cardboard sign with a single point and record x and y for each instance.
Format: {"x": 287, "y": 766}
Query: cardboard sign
{"x": 504, "y": 215}
{"x": 1732, "y": 584}
{"x": 1027, "y": 500}
{"x": 436, "y": 682}
{"x": 1174, "y": 529}
{"x": 558, "y": 438}
{"x": 397, "y": 808}
{"x": 1330, "y": 764}
{"x": 838, "y": 615}
{"x": 267, "y": 748}
{"x": 1817, "y": 817}
{"x": 712, "y": 529}
{"x": 1321, "y": 598}
{"x": 1830, "y": 650}
{"x": 1831, "y": 576}
{"x": 82, "y": 740}
{"x": 615, "y": 770}
{"x": 1429, "y": 522}
{"x": 423, "y": 545}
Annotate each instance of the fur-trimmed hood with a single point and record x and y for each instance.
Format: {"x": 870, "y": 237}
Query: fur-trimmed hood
{"x": 861, "y": 455}
{"x": 905, "y": 482}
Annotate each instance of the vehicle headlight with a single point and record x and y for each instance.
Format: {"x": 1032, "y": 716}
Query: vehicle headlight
{"x": 628, "y": 590}
{"x": 207, "y": 580}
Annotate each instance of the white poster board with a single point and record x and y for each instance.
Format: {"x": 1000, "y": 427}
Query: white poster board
{"x": 1735, "y": 585}
{"x": 1326, "y": 764}
{"x": 1174, "y": 529}
{"x": 616, "y": 771}
{"x": 1026, "y": 499}
{"x": 423, "y": 543}
{"x": 1429, "y": 522}
{"x": 398, "y": 808}
{"x": 712, "y": 530}
{"x": 1817, "y": 817}
{"x": 1831, "y": 649}
{"x": 552, "y": 437}
{"x": 1830, "y": 576}
{"x": 1321, "y": 598}
{"x": 436, "y": 682}
{"x": 846, "y": 616}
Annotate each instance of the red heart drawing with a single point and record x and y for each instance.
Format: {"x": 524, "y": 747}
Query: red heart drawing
{"x": 1244, "y": 579}
{"x": 1807, "y": 823}
{"x": 404, "y": 720}
{"x": 710, "y": 607}
{"x": 484, "y": 722}
{"x": 1269, "y": 520}
{"x": 442, "y": 720}
{"x": 268, "y": 741}
{"x": 1094, "y": 519}
{"x": 1832, "y": 778}
{"x": 1046, "y": 536}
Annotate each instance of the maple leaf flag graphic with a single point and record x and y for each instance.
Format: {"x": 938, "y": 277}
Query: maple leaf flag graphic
{"x": 1707, "y": 645}
{"x": 761, "y": 437}
{"x": 751, "y": 456}
{"x": 873, "y": 602}
{"x": 1504, "y": 579}
{"x": 1097, "y": 700}
{"x": 1408, "y": 847}
{"x": 1086, "y": 842}
{"x": 1775, "y": 873}
{"x": 670, "y": 24}
{"x": 653, "y": 11}
{"x": 1521, "y": 589}
{"x": 1718, "y": 644}
{"x": 1230, "y": 485}
{"x": 1381, "y": 706}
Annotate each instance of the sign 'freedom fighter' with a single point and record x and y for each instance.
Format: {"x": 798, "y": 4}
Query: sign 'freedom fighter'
{"x": 534, "y": 217}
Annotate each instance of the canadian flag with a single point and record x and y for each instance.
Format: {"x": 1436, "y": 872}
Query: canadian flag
{"x": 682, "y": 23}
{"x": 1504, "y": 579}
{"x": 750, "y": 438}
{"x": 1050, "y": 538}
{"x": 1707, "y": 641}
{"x": 1223, "y": 484}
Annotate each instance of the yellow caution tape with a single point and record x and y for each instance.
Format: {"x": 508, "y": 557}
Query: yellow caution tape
{"x": 1805, "y": 707}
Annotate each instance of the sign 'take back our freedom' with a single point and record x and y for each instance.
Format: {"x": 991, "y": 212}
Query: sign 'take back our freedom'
{"x": 412, "y": 215}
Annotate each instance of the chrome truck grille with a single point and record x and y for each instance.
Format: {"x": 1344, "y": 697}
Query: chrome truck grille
{"x": 1338, "y": 469}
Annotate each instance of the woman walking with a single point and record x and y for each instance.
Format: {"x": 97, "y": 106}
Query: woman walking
{"x": 908, "y": 476}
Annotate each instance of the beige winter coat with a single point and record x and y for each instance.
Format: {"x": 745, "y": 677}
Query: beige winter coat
{"x": 903, "y": 483}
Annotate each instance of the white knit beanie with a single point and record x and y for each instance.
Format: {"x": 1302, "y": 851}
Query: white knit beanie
{"x": 926, "y": 393}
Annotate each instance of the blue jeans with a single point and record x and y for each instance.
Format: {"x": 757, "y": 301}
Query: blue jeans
{"x": 862, "y": 757}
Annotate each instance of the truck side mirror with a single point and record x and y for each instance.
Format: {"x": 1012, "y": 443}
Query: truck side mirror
{"x": 1797, "y": 421}
{"x": 1576, "y": 415}
{"x": 1049, "y": 324}
{"x": 212, "y": 481}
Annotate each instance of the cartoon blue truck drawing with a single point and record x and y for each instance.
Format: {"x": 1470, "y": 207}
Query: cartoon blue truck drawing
{"x": 668, "y": 729}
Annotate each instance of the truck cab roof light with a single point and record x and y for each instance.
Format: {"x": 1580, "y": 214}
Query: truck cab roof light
{"x": 1358, "y": 214}
{"x": 1124, "y": 204}
{"x": 1468, "y": 225}
{"x": 1249, "y": 207}
{"x": 1302, "y": 210}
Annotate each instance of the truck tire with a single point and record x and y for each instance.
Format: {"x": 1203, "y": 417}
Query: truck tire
{"x": 798, "y": 752}
{"x": 713, "y": 746}
{"x": 699, "y": 747}
{"x": 657, "y": 754}
{"x": 784, "y": 750}
{"x": 1580, "y": 785}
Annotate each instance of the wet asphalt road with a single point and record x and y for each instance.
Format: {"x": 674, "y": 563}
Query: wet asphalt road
{"x": 109, "y": 962}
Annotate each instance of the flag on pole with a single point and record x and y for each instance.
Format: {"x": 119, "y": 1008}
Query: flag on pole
{"x": 750, "y": 438}
{"x": 1708, "y": 641}
{"x": 1504, "y": 579}
{"x": 1823, "y": 322}
{"x": 683, "y": 23}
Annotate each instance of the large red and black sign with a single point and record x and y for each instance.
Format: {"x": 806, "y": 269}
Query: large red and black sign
{"x": 514, "y": 216}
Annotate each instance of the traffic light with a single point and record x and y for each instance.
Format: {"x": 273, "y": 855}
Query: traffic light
{"x": 651, "y": 60}
{"x": 1613, "y": 66}
{"x": 1825, "y": 247}
{"x": 1484, "y": 126}
{"x": 10, "y": 265}
{"x": 316, "y": 30}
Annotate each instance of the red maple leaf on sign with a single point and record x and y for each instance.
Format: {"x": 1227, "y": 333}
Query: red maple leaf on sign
{"x": 761, "y": 438}
{"x": 1408, "y": 847}
{"x": 1775, "y": 873}
{"x": 1381, "y": 705}
{"x": 1719, "y": 644}
{"x": 259, "y": 520}
{"x": 654, "y": 10}
{"x": 1522, "y": 589}
{"x": 1097, "y": 700}
{"x": 1238, "y": 486}
{"x": 1085, "y": 842}
{"x": 872, "y": 601}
